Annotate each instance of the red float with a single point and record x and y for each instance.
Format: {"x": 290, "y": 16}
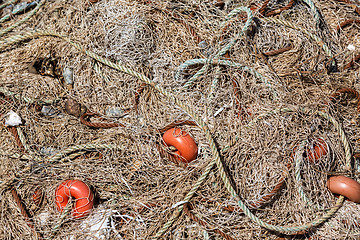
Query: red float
{"x": 186, "y": 148}
{"x": 318, "y": 149}
{"x": 345, "y": 186}
{"x": 78, "y": 190}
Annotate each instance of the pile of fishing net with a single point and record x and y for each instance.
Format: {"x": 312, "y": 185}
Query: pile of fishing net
{"x": 98, "y": 97}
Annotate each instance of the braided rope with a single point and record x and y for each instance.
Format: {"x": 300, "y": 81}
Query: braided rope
{"x": 216, "y": 160}
{"x": 83, "y": 147}
{"x": 97, "y": 124}
{"x": 190, "y": 194}
{"x": 203, "y": 223}
{"x": 22, "y": 139}
{"x": 21, "y": 143}
{"x": 22, "y": 208}
{"x": 300, "y": 150}
{"x": 5, "y": 4}
{"x": 73, "y": 155}
{"x": 330, "y": 212}
{"x": 23, "y": 7}
{"x": 347, "y": 23}
{"x": 18, "y": 141}
{"x": 314, "y": 10}
{"x": 266, "y": 197}
{"x": 277, "y": 11}
{"x": 225, "y": 49}
{"x": 263, "y": 7}
{"x": 24, "y": 213}
{"x": 61, "y": 220}
{"x": 242, "y": 113}
{"x": 207, "y": 62}
{"x": 38, "y": 195}
{"x": 357, "y": 96}
{"x": 7, "y": 17}
{"x": 317, "y": 39}
{"x": 19, "y": 138}
{"x": 96, "y": 67}
{"x": 16, "y": 155}
{"x": 25, "y": 19}
{"x": 277, "y": 51}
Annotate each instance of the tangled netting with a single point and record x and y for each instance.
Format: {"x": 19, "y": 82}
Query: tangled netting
{"x": 266, "y": 89}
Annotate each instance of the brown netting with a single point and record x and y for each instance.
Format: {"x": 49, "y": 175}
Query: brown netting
{"x": 140, "y": 184}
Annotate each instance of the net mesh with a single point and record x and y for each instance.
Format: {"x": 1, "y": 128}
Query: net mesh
{"x": 138, "y": 185}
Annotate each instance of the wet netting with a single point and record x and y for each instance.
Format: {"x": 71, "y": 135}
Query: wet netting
{"x": 188, "y": 119}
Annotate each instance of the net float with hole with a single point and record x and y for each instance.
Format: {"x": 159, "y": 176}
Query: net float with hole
{"x": 317, "y": 149}
{"x": 78, "y": 190}
{"x": 186, "y": 148}
{"x": 345, "y": 186}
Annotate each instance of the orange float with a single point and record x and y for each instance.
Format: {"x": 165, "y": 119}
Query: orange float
{"x": 345, "y": 186}
{"x": 186, "y": 148}
{"x": 78, "y": 190}
{"x": 318, "y": 149}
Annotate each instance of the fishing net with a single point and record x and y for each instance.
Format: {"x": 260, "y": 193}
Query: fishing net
{"x": 266, "y": 89}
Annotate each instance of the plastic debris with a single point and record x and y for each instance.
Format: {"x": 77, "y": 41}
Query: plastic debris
{"x": 114, "y": 112}
{"x": 12, "y": 119}
{"x": 68, "y": 75}
{"x": 351, "y": 47}
{"x": 99, "y": 224}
